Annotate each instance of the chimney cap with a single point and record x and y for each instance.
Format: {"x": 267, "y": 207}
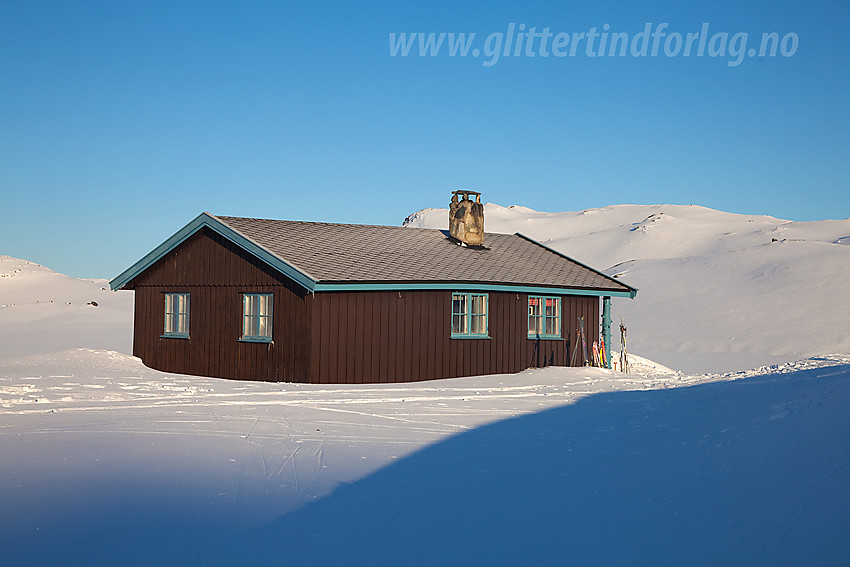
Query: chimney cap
{"x": 465, "y": 192}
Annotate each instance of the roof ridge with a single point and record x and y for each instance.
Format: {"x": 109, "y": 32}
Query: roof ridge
{"x": 321, "y": 222}
{"x": 338, "y": 224}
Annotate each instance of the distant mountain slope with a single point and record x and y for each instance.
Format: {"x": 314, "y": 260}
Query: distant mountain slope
{"x": 718, "y": 291}
{"x": 43, "y": 311}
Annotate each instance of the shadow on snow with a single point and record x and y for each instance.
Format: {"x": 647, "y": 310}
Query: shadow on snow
{"x": 754, "y": 471}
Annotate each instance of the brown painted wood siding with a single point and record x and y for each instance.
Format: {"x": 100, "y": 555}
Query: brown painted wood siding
{"x": 342, "y": 337}
{"x": 216, "y": 273}
{"x": 363, "y": 337}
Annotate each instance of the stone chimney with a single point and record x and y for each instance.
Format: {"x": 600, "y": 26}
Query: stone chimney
{"x": 466, "y": 219}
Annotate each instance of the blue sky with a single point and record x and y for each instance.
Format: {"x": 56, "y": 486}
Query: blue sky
{"x": 121, "y": 121}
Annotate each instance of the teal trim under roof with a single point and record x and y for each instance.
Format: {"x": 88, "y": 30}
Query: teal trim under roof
{"x": 456, "y": 286}
{"x": 209, "y": 221}
{"x": 313, "y": 284}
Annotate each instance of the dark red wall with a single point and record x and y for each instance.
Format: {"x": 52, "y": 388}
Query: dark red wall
{"x": 215, "y": 323}
{"x": 339, "y": 337}
{"x": 405, "y": 336}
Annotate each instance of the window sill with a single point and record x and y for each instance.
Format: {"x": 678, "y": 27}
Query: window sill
{"x": 544, "y": 338}
{"x": 174, "y": 336}
{"x": 255, "y": 340}
{"x": 471, "y": 337}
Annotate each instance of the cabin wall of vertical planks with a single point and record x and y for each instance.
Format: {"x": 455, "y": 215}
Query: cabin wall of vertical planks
{"x": 215, "y": 272}
{"x": 331, "y": 337}
{"x": 365, "y": 337}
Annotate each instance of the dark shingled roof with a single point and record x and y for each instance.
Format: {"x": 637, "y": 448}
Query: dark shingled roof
{"x": 349, "y": 253}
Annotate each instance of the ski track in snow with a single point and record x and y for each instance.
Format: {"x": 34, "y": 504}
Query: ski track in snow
{"x": 244, "y": 457}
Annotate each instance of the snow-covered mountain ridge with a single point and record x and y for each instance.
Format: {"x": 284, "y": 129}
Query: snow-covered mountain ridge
{"x": 42, "y": 311}
{"x": 718, "y": 291}
{"x": 619, "y": 233}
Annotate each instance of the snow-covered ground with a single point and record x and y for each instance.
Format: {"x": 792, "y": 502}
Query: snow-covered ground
{"x": 105, "y": 461}
{"x": 718, "y": 291}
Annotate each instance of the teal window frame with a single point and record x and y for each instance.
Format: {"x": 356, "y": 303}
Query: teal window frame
{"x": 176, "y": 323}
{"x": 257, "y": 325}
{"x": 463, "y": 316}
{"x": 542, "y": 319}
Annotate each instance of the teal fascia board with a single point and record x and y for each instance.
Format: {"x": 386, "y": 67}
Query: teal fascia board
{"x": 631, "y": 294}
{"x": 513, "y": 288}
{"x": 209, "y": 221}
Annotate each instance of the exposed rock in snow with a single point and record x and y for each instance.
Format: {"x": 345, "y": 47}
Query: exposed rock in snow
{"x": 42, "y": 311}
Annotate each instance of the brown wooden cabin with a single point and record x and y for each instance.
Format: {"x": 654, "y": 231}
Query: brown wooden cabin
{"x": 272, "y": 300}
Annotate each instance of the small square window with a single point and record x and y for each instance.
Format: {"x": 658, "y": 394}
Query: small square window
{"x": 257, "y": 317}
{"x": 176, "y": 315}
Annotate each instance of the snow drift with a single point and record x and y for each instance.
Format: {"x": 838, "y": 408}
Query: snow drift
{"x": 42, "y": 311}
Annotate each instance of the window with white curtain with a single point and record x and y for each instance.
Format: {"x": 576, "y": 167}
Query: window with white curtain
{"x": 544, "y": 317}
{"x": 469, "y": 315}
{"x": 176, "y": 315}
{"x": 257, "y": 317}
